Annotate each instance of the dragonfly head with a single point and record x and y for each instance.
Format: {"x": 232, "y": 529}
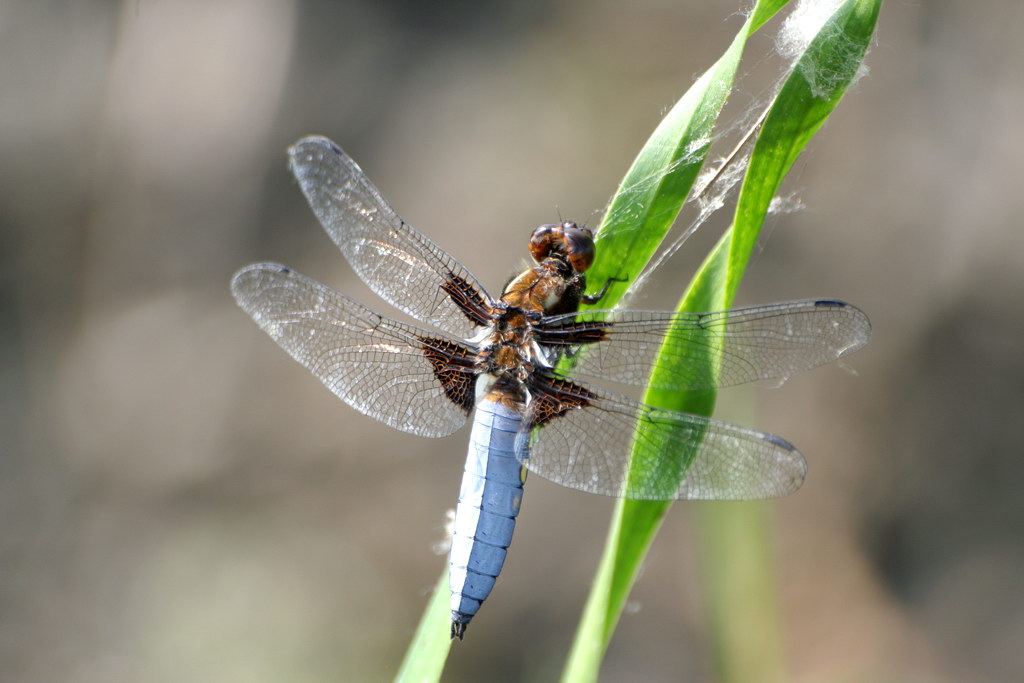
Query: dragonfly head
{"x": 568, "y": 241}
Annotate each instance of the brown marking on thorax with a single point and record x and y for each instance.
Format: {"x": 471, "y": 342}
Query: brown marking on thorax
{"x": 538, "y": 289}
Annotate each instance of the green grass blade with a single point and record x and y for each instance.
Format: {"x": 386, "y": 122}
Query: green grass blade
{"x": 634, "y": 523}
{"x": 803, "y": 104}
{"x": 732, "y": 539}
{"x": 637, "y": 220}
{"x": 655, "y": 187}
{"x": 811, "y": 92}
{"x": 428, "y": 651}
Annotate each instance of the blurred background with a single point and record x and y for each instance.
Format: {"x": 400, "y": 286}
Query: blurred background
{"x": 182, "y": 502}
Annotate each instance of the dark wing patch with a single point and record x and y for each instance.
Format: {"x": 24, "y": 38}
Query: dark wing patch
{"x": 553, "y": 397}
{"x": 571, "y": 333}
{"x": 469, "y": 299}
{"x": 453, "y": 366}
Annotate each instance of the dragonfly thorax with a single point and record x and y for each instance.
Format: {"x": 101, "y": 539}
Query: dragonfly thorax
{"x": 509, "y": 350}
{"x": 549, "y": 288}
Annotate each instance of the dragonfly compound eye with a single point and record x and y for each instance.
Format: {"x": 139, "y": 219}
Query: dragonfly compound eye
{"x": 578, "y": 246}
{"x": 568, "y": 240}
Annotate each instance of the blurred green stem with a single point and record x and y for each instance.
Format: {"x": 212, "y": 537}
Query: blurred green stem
{"x": 737, "y": 572}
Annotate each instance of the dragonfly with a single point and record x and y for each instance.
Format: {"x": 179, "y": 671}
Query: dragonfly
{"x": 522, "y": 365}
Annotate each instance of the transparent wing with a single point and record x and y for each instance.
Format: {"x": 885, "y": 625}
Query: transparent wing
{"x": 394, "y": 259}
{"x": 587, "y": 447}
{"x": 761, "y": 342}
{"x": 382, "y": 368}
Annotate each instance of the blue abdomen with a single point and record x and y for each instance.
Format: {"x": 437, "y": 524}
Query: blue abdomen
{"x": 492, "y": 489}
